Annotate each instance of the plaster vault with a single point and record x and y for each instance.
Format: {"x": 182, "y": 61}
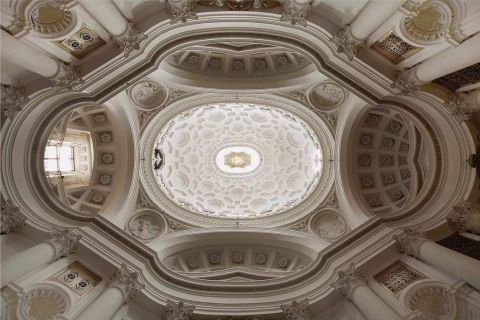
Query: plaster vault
{"x": 236, "y": 165}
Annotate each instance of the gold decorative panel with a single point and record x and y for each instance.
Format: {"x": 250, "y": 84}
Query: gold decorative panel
{"x": 460, "y": 78}
{"x": 397, "y": 277}
{"x": 394, "y": 48}
{"x": 77, "y": 278}
{"x": 81, "y": 43}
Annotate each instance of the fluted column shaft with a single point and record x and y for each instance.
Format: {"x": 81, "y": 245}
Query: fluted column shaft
{"x": 354, "y": 286}
{"x": 450, "y": 60}
{"x": 108, "y": 15}
{"x": 21, "y": 54}
{"x": 122, "y": 287}
{"x": 449, "y": 261}
{"x": 372, "y": 16}
{"x": 22, "y": 263}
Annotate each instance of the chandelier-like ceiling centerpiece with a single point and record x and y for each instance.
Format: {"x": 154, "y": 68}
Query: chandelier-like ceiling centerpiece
{"x": 238, "y": 160}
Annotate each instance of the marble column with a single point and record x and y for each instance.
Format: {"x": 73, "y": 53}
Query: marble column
{"x": 105, "y": 12}
{"x": 451, "y": 262}
{"x": 297, "y": 310}
{"x": 122, "y": 287}
{"x": 369, "y": 19}
{"x": 62, "y": 243}
{"x": 441, "y": 64}
{"x": 125, "y": 35}
{"x": 355, "y": 288}
{"x": 177, "y": 311}
{"x": 21, "y": 54}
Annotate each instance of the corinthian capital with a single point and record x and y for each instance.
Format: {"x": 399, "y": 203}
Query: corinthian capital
{"x": 12, "y": 218}
{"x": 295, "y": 12}
{"x": 407, "y": 82}
{"x": 67, "y": 77}
{"x": 462, "y": 219}
{"x": 127, "y": 281}
{"x": 346, "y": 43}
{"x": 181, "y": 10}
{"x": 65, "y": 242}
{"x": 130, "y": 40}
{"x": 177, "y": 311}
{"x": 296, "y": 310}
{"x": 409, "y": 241}
{"x": 463, "y": 104}
{"x": 13, "y": 100}
{"x": 348, "y": 280}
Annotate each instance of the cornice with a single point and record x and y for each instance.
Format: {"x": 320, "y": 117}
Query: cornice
{"x": 46, "y": 106}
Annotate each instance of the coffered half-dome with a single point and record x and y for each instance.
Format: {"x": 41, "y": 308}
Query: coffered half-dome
{"x": 234, "y": 65}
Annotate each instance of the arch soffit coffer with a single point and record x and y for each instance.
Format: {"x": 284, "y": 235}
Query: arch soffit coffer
{"x": 103, "y": 94}
{"x": 431, "y": 183}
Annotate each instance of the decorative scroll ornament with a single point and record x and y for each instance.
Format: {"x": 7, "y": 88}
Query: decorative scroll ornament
{"x": 13, "y": 100}
{"x": 409, "y": 241}
{"x": 12, "y": 219}
{"x": 130, "y": 40}
{"x": 67, "y": 77}
{"x": 348, "y": 280}
{"x": 177, "y": 311}
{"x": 407, "y": 82}
{"x": 297, "y": 310}
{"x": 65, "y": 242}
{"x": 127, "y": 281}
{"x": 295, "y": 13}
{"x": 181, "y": 10}
{"x": 346, "y": 43}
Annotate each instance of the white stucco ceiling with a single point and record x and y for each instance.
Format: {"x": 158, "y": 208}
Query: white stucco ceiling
{"x": 288, "y": 168}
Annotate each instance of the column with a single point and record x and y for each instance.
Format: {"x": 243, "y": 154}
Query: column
{"x": 63, "y": 242}
{"x": 443, "y": 63}
{"x": 297, "y": 310}
{"x": 125, "y": 35}
{"x": 122, "y": 287}
{"x": 450, "y": 60}
{"x": 354, "y": 287}
{"x": 177, "y": 311}
{"x": 369, "y": 19}
{"x": 449, "y": 261}
{"x": 105, "y": 12}
{"x": 21, "y": 54}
